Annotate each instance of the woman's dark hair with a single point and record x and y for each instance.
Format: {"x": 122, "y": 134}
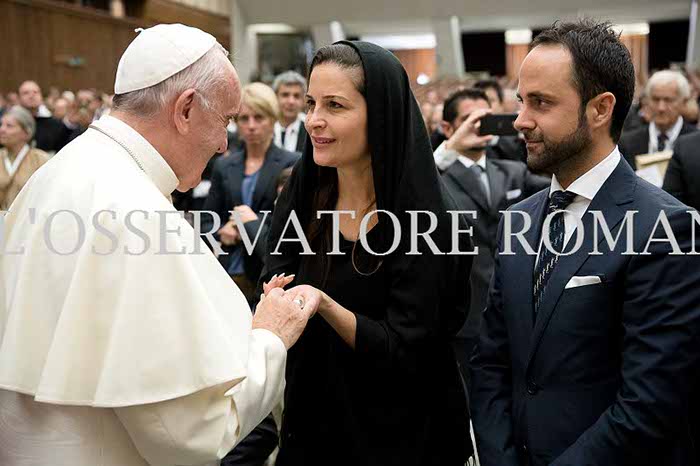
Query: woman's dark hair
{"x": 319, "y": 231}
{"x": 600, "y": 63}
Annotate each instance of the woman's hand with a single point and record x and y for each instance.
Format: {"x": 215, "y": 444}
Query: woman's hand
{"x": 228, "y": 234}
{"x": 277, "y": 281}
{"x": 246, "y": 213}
{"x": 311, "y": 299}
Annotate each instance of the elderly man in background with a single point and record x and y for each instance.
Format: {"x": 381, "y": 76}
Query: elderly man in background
{"x": 667, "y": 92}
{"x": 290, "y": 133}
{"x": 122, "y": 340}
{"x": 51, "y": 134}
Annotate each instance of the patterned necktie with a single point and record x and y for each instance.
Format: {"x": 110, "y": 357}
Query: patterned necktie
{"x": 547, "y": 260}
{"x": 480, "y": 173}
{"x": 661, "y": 142}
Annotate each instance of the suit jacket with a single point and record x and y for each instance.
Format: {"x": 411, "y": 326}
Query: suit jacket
{"x": 603, "y": 375}
{"x": 510, "y": 182}
{"x": 509, "y": 148}
{"x": 683, "y": 174}
{"x": 225, "y": 193}
{"x": 51, "y": 134}
{"x": 636, "y": 142}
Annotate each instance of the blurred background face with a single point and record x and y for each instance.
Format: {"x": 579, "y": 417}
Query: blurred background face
{"x": 60, "y": 108}
{"x": 492, "y": 94}
{"x": 30, "y": 96}
{"x": 255, "y": 128}
{"x": 336, "y": 117}
{"x": 464, "y": 108}
{"x": 665, "y": 103}
{"x": 550, "y": 117}
{"x": 291, "y": 100}
{"x": 11, "y": 133}
{"x": 436, "y": 117}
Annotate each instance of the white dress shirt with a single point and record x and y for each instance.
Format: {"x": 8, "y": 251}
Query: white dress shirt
{"x": 586, "y": 187}
{"x": 671, "y": 134}
{"x": 291, "y": 134}
{"x": 444, "y": 157}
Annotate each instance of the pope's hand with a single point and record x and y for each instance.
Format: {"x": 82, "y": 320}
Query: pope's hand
{"x": 277, "y": 281}
{"x": 282, "y": 316}
{"x": 311, "y": 298}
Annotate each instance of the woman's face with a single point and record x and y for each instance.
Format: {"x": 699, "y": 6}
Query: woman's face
{"x": 336, "y": 118}
{"x": 11, "y": 132}
{"x": 255, "y": 128}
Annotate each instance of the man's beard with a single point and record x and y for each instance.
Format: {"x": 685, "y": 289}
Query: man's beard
{"x": 555, "y": 153}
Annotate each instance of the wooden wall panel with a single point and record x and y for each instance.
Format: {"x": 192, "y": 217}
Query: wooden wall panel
{"x": 417, "y": 61}
{"x": 40, "y": 37}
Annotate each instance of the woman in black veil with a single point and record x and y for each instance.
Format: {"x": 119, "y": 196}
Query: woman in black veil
{"x": 373, "y": 380}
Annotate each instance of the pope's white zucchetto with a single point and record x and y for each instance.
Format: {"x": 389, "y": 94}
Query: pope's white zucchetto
{"x": 158, "y": 53}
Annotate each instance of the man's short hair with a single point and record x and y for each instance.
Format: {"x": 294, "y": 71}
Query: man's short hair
{"x": 485, "y": 84}
{"x": 289, "y": 78}
{"x": 600, "y": 63}
{"x": 449, "y": 111}
{"x": 666, "y": 76}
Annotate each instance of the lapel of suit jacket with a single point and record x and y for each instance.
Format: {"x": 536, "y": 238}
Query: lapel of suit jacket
{"x": 234, "y": 180}
{"x": 615, "y": 192}
{"x": 497, "y": 186}
{"x": 301, "y": 138}
{"x": 469, "y": 183}
{"x": 268, "y": 174}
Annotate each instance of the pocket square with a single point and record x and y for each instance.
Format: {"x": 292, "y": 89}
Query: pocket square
{"x": 575, "y": 282}
{"x": 512, "y": 194}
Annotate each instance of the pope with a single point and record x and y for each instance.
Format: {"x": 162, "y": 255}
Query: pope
{"x": 122, "y": 340}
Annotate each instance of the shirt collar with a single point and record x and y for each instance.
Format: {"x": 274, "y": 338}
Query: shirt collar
{"x": 588, "y": 184}
{"x": 467, "y": 162}
{"x": 672, "y": 134}
{"x": 154, "y": 165}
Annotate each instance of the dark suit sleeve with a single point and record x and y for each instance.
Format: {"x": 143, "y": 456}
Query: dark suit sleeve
{"x": 534, "y": 183}
{"x": 674, "y": 183}
{"x": 661, "y": 323}
{"x": 490, "y": 391}
{"x": 260, "y": 229}
{"x": 215, "y": 201}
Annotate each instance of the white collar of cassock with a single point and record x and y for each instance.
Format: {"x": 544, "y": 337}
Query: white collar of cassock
{"x": 154, "y": 165}
{"x": 12, "y": 167}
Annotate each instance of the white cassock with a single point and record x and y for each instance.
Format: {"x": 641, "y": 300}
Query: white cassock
{"x": 116, "y": 359}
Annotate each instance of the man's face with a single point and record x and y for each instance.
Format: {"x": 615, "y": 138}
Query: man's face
{"x": 30, "y": 96}
{"x": 666, "y": 104}
{"x": 208, "y": 135}
{"x": 550, "y": 118}
{"x": 464, "y": 108}
{"x": 291, "y": 100}
{"x": 496, "y": 104}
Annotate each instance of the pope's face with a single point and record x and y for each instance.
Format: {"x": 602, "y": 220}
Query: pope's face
{"x": 208, "y": 135}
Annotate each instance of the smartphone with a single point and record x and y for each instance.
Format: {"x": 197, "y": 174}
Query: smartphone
{"x": 498, "y": 125}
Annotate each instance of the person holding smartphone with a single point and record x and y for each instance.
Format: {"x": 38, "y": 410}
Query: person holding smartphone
{"x": 481, "y": 183}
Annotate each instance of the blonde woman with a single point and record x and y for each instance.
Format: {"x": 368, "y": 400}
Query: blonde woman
{"x": 19, "y": 159}
{"x": 247, "y": 178}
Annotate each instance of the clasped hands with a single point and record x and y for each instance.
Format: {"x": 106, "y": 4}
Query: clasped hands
{"x": 286, "y": 313}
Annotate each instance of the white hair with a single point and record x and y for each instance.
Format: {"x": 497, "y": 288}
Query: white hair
{"x": 204, "y": 76}
{"x": 669, "y": 76}
{"x": 289, "y": 78}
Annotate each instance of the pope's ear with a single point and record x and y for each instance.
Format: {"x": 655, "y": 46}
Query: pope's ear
{"x": 184, "y": 106}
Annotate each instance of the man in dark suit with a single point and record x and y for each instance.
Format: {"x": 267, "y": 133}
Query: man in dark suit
{"x": 290, "y": 132}
{"x": 51, "y": 134}
{"x": 683, "y": 173}
{"x": 482, "y": 184}
{"x": 667, "y": 93}
{"x": 586, "y": 359}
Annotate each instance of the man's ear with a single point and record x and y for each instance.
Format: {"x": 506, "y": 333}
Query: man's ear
{"x": 184, "y": 106}
{"x": 600, "y": 109}
{"x": 446, "y": 129}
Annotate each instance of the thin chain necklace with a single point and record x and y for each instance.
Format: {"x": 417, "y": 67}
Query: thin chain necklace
{"x": 128, "y": 151}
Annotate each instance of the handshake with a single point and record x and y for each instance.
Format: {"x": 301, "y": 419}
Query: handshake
{"x": 285, "y": 313}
